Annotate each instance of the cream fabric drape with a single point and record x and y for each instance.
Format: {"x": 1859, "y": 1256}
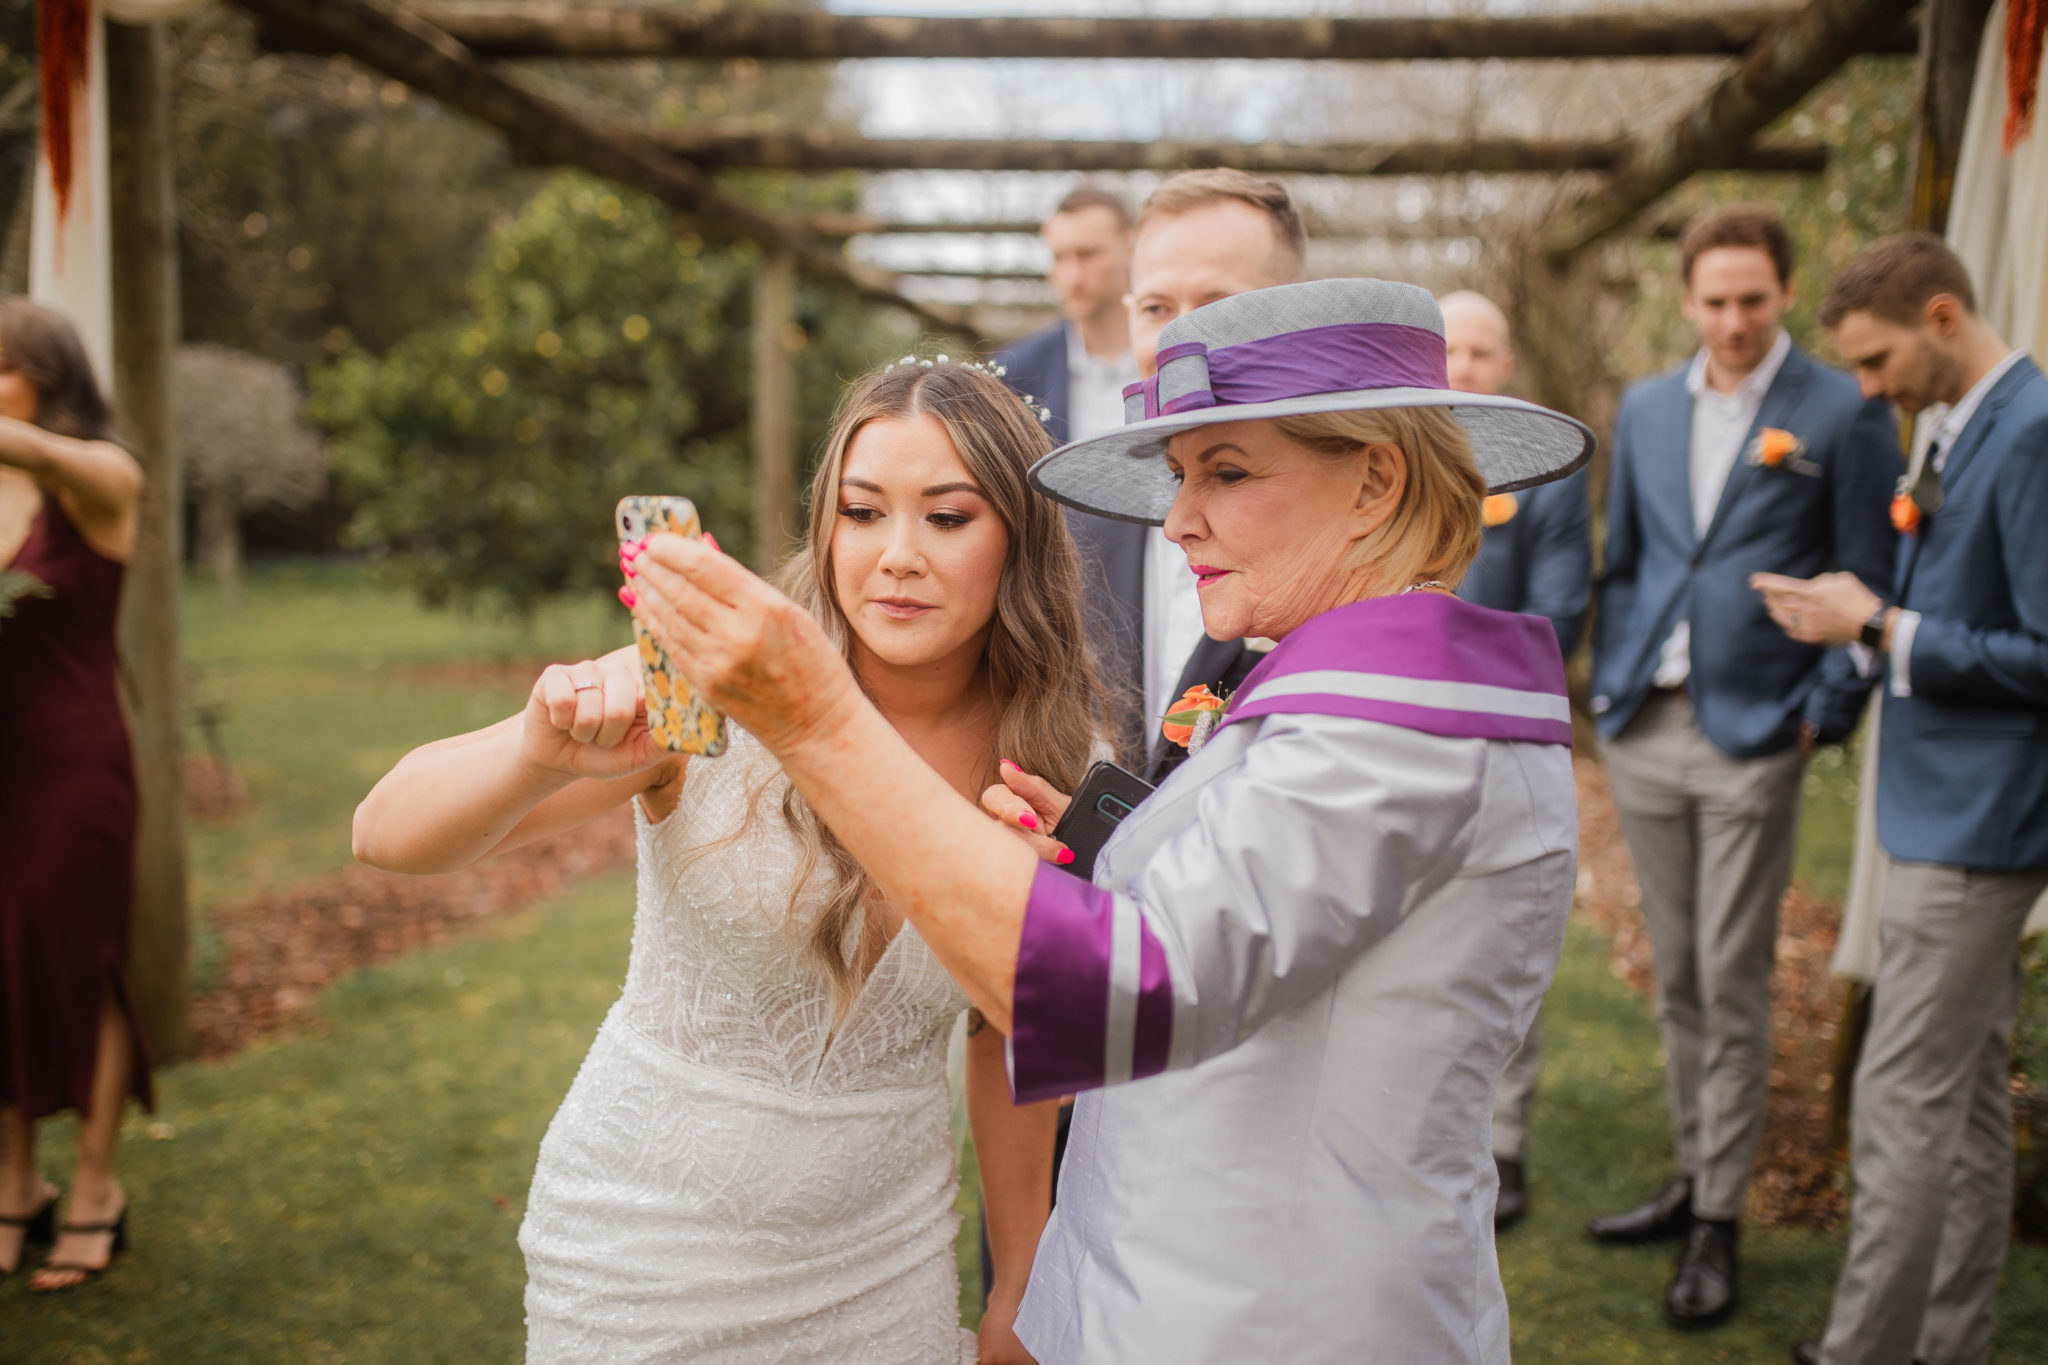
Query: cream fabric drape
{"x": 1998, "y": 224}
{"x": 70, "y": 262}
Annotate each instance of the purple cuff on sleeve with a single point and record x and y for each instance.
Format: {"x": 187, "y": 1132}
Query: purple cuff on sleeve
{"x": 1064, "y": 1034}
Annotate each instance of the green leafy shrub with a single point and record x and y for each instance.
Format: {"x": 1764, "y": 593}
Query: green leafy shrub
{"x": 602, "y": 353}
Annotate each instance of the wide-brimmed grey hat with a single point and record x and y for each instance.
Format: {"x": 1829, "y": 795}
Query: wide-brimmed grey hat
{"x": 1325, "y": 346}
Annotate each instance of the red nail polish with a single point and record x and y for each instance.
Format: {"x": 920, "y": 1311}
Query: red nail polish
{"x": 1066, "y": 855}
{"x": 629, "y": 597}
{"x": 1028, "y": 820}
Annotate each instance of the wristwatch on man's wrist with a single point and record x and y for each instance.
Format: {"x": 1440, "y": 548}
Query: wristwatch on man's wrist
{"x": 1873, "y": 629}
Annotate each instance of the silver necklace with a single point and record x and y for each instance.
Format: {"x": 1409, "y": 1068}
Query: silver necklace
{"x": 1436, "y": 583}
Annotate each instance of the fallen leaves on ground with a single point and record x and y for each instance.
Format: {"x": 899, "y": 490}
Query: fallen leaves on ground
{"x": 278, "y": 951}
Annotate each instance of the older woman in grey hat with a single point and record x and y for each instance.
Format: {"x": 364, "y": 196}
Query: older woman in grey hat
{"x": 1291, "y": 988}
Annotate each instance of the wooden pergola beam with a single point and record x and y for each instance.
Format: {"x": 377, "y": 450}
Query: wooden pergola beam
{"x": 545, "y": 132}
{"x": 720, "y": 147}
{"x": 949, "y": 272}
{"x": 870, "y": 225}
{"x": 1781, "y": 68}
{"x": 548, "y": 28}
{"x": 842, "y": 225}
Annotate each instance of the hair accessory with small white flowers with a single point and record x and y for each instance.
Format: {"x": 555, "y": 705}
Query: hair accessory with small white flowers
{"x": 1038, "y": 409}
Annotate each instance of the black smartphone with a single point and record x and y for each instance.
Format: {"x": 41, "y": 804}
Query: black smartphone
{"x": 1106, "y": 796}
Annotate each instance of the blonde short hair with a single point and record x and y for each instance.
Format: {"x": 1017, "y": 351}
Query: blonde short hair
{"x": 1434, "y": 532}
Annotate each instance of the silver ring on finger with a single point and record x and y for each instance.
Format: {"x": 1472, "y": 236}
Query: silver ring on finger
{"x": 586, "y": 686}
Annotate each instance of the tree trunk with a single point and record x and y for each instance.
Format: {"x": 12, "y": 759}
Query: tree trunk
{"x": 145, "y": 330}
{"x": 220, "y": 543}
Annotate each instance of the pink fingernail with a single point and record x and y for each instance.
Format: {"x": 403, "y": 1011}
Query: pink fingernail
{"x": 712, "y": 541}
{"x": 1028, "y": 820}
{"x": 629, "y": 597}
{"x": 1011, "y": 766}
{"x": 1066, "y": 855}
{"x": 631, "y": 572}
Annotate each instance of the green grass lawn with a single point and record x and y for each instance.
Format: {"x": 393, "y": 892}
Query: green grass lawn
{"x": 328, "y": 675}
{"x": 1601, "y": 1142}
{"x": 352, "y": 1192}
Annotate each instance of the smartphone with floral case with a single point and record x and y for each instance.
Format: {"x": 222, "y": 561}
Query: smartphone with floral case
{"x": 677, "y": 717}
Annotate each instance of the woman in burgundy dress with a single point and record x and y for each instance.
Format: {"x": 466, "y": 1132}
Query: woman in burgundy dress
{"x": 68, "y": 1036}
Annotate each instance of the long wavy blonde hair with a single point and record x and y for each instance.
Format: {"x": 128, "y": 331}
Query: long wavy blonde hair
{"x": 1040, "y": 677}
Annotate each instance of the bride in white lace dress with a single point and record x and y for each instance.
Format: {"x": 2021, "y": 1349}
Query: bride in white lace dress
{"x": 755, "y": 1163}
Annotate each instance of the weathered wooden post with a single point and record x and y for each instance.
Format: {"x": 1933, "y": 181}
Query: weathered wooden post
{"x": 145, "y": 292}
{"x": 774, "y": 410}
{"x": 1950, "y": 33}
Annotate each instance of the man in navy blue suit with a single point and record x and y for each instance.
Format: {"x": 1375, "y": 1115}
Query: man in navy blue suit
{"x": 1752, "y": 458}
{"x": 1077, "y": 368}
{"x": 1962, "y": 800}
{"x": 1534, "y": 556}
{"x": 1202, "y": 236}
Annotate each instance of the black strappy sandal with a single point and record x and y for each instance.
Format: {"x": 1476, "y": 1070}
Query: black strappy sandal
{"x": 88, "y": 1273}
{"x": 38, "y": 1229}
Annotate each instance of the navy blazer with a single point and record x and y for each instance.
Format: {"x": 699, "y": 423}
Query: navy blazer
{"x": 1962, "y": 764}
{"x": 1113, "y": 563}
{"x": 1540, "y": 560}
{"x": 1037, "y": 366}
{"x": 1751, "y": 685}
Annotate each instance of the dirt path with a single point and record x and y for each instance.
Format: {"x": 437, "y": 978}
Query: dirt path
{"x": 278, "y": 951}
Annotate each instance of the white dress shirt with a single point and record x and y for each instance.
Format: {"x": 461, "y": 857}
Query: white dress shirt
{"x": 1095, "y": 388}
{"x": 1720, "y": 425}
{"x": 1947, "y": 423}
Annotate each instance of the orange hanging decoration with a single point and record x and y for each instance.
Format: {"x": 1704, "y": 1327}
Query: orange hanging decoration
{"x": 63, "y": 53}
{"x": 2026, "y": 30}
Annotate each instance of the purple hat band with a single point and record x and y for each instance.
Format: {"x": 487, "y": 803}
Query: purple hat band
{"x": 1316, "y": 360}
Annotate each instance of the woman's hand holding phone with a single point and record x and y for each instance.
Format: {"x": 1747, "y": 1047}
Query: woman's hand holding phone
{"x": 1029, "y": 806}
{"x": 589, "y": 719}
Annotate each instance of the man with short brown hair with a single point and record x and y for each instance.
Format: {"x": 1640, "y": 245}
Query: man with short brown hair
{"x": 1962, "y": 801}
{"x": 1202, "y": 236}
{"x": 1751, "y": 458}
{"x": 1077, "y": 368}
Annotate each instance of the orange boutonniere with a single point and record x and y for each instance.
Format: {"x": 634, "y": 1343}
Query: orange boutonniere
{"x": 1776, "y": 448}
{"x": 1917, "y": 497}
{"x": 1190, "y": 720}
{"x": 1499, "y": 509}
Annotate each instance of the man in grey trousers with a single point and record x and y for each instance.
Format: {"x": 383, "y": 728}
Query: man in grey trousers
{"x": 1753, "y": 458}
{"x": 1962, "y": 803}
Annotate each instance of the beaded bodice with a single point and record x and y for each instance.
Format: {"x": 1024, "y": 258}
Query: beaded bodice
{"x": 722, "y": 972}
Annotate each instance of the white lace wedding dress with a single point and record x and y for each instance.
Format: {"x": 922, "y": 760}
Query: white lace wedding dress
{"x": 731, "y": 1179}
